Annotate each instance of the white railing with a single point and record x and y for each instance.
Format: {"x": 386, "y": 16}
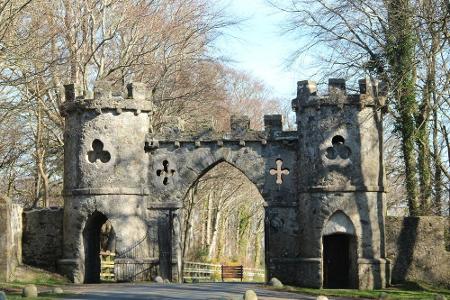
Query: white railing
{"x": 254, "y": 274}
{"x": 201, "y": 271}
{"x": 210, "y": 272}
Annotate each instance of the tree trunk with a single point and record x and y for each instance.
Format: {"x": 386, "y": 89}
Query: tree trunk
{"x": 447, "y": 143}
{"x": 400, "y": 53}
{"x": 424, "y": 113}
{"x": 209, "y": 218}
{"x": 215, "y": 235}
{"x": 437, "y": 168}
{"x": 40, "y": 156}
{"x": 423, "y": 157}
{"x": 187, "y": 220}
{"x": 203, "y": 220}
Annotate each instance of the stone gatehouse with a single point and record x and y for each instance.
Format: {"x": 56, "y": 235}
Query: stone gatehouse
{"x": 323, "y": 185}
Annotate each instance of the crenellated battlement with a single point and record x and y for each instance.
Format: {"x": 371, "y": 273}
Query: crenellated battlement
{"x": 107, "y": 97}
{"x": 371, "y": 93}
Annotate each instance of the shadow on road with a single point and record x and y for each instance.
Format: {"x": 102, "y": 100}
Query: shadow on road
{"x": 153, "y": 291}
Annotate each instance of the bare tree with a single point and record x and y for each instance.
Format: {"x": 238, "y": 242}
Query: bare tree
{"x": 402, "y": 42}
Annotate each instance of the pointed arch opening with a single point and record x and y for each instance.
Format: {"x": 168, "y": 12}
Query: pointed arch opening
{"x": 339, "y": 252}
{"x": 223, "y": 220}
{"x": 98, "y": 237}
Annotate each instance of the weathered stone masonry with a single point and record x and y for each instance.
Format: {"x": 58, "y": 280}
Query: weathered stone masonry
{"x": 6, "y": 266}
{"x": 416, "y": 248}
{"x": 10, "y": 238}
{"x": 322, "y": 184}
{"x": 42, "y": 237}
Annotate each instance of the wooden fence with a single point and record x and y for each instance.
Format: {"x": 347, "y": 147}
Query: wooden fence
{"x": 114, "y": 268}
{"x": 213, "y": 272}
{"x": 201, "y": 271}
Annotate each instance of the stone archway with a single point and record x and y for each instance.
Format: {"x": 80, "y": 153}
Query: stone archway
{"x": 94, "y": 239}
{"x": 223, "y": 218}
{"x": 339, "y": 252}
{"x": 177, "y": 161}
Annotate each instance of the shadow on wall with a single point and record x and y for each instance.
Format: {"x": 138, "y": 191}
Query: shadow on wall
{"x": 416, "y": 248}
{"x": 406, "y": 242}
{"x": 42, "y": 237}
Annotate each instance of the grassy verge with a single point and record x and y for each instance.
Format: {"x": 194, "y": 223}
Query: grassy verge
{"x": 419, "y": 291}
{"x": 42, "y": 296}
{"x": 28, "y": 275}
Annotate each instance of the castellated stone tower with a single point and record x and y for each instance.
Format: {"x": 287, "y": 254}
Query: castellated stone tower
{"x": 341, "y": 186}
{"x": 105, "y": 169}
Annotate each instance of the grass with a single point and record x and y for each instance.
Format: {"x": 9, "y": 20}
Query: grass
{"x": 42, "y": 296}
{"x": 409, "y": 290}
{"x": 29, "y": 275}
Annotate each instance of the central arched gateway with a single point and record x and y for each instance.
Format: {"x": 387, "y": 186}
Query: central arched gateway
{"x": 333, "y": 162}
{"x": 223, "y": 219}
{"x": 189, "y": 157}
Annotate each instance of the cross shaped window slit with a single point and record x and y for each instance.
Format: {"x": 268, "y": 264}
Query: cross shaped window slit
{"x": 166, "y": 172}
{"x": 279, "y": 171}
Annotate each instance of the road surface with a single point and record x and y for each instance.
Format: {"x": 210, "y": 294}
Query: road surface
{"x": 151, "y": 291}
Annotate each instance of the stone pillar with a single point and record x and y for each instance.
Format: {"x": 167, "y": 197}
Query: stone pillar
{"x": 6, "y": 240}
{"x": 176, "y": 246}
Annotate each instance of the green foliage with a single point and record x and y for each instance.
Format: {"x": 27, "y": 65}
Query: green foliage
{"x": 201, "y": 255}
{"x": 244, "y": 220}
{"x": 400, "y": 51}
{"x": 42, "y": 296}
{"x": 42, "y": 281}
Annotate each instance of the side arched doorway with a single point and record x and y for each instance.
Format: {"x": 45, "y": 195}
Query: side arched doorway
{"x": 98, "y": 235}
{"x": 339, "y": 253}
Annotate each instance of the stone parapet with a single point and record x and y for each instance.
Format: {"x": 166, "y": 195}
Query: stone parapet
{"x": 241, "y": 132}
{"x": 372, "y": 93}
{"x": 273, "y": 123}
{"x": 107, "y": 98}
{"x": 221, "y": 139}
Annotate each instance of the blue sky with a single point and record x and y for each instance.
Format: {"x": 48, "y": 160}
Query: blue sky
{"x": 258, "y": 47}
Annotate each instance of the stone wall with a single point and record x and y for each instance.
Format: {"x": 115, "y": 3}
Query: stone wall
{"x": 42, "y": 237}
{"x": 416, "y": 248}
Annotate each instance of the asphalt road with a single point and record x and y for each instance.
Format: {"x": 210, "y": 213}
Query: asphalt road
{"x": 150, "y": 291}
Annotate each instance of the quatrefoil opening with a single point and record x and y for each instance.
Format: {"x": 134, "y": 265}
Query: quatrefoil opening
{"x": 339, "y": 149}
{"x": 97, "y": 152}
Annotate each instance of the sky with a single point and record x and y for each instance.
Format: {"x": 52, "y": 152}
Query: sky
{"x": 258, "y": 46}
